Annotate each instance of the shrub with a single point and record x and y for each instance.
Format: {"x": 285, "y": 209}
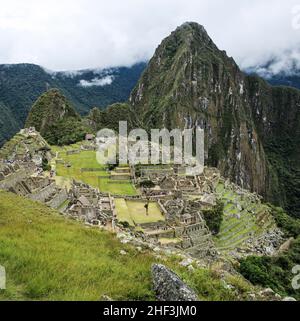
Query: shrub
{"x": 290, "y": 225}
{"x": 273, "y": 272}
{"x": 214, "y": 217}
{"x": 45, "y": 165}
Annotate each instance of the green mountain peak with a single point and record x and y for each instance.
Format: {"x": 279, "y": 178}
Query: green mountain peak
{"x": 56, "y": 119}
{"x": 189, "y": 82}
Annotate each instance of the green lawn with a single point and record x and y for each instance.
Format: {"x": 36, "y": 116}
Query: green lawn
{"x": 134, "y": 212}
{"x": 87, "y": 159}
{"x": 65, "y": 148}
{"x": 50, "y": 257}
{"x": 63, "y": 182}
{"x": 165, "y": 241}
{"x": 123, "y": 211}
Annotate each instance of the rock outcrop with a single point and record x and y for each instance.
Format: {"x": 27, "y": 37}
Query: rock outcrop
{"x": 169, "y": 287}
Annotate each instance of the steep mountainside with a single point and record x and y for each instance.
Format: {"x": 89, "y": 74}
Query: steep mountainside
{"x": 8, "y": 124}
{"x": 55, "y": 118}
{"x": 276, "y": 112}
{"x": 190, "y": 82}
{"x": 22, "y": 84}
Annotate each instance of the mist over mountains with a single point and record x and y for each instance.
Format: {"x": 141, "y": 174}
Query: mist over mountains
{"x": 288, "y": 77}
{"x": 22, "y": 84}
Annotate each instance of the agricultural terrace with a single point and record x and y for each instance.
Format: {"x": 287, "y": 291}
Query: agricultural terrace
{"x": 84, "y": 167}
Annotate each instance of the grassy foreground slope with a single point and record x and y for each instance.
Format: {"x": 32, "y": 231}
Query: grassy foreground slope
{"x": 49, "y": 257}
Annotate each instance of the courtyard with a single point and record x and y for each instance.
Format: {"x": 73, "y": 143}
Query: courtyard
{"x": 134, "y": 212}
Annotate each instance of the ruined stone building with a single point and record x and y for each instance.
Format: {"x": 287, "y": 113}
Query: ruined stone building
{"x": 24, "y": 179}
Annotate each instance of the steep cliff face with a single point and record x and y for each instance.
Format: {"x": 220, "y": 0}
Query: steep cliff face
{"x": 8, "y": 123}
{"x": 190, "y": 82}
{"x": 276, "y": 113}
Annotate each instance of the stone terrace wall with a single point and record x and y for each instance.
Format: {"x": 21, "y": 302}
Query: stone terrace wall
{"x": 60, "y": 197}
{"x": 12, "y": 179}
{"x": 43, "y": 194}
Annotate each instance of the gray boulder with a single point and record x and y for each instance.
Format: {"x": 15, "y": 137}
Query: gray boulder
{"x": 169, "y": 287}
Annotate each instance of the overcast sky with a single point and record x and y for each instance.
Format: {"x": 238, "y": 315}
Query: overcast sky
{"x": 78, "y": 34}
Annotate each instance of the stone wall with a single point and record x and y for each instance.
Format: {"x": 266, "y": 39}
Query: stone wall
{"x": 13, "y": 178}
{"x": 60, "y": 197}
{"x": 154, "y": 225}
{"x": 73, "y": 152}
{"x": 43, "y": 194}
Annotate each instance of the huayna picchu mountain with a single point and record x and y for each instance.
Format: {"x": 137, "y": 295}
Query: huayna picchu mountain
{"x": 56, "y": 119}
{"x": 252, "y": 129}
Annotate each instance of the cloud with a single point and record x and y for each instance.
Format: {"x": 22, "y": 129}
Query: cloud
{"x": 288, "y": 63}
{"x": 97, "y": 82}
{"x": 81, "y": 34}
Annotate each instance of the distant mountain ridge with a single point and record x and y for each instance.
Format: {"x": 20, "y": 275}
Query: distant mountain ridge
{"x": 289, "y": 77}
{"x": 22, "y": 84}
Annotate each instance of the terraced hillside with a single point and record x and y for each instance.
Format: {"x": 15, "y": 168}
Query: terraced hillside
{"x": 83, "y": 166}
{"x": 245, "y": 218}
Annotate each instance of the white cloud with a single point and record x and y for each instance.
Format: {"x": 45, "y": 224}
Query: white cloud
{"x": 288, "y": 62}
{"x": 81, "y": 34}
{"x": 97, "y": 82}
{"x": 70, "y": 73}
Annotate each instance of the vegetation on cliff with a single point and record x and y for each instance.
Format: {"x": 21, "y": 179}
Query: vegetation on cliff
{"x": 111, "y": 116}
{"x": 277, "y": 117}
{"x": 8, "y": 124}
{"x": 276, "y": 272}
{"x": 273, "y": 272}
